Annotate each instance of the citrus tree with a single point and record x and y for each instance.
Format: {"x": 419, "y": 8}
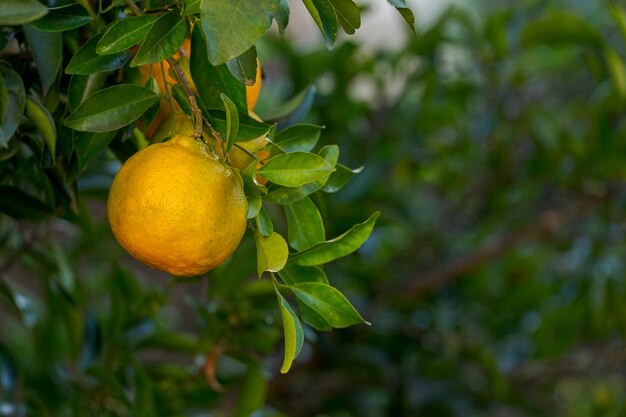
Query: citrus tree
{"x": 166, "y": 89}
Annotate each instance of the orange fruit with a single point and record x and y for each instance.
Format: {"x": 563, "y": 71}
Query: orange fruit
{"x": 175, "y": 207}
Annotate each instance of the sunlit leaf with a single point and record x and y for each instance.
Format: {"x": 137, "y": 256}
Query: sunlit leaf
{"x": 292, "y": 329}
{"x": 272, "y": 252}
{"x": 295, "y": 169}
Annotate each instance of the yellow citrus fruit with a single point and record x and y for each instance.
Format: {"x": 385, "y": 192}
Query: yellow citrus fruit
{"x": 175, "y": 207}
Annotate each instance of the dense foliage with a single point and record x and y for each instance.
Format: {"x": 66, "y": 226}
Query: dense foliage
{"x": 493, "y": 146}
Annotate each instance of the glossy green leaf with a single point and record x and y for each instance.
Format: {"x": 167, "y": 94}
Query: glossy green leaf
{"x": 560, "y": 28}
{"x": 125, "y": 33}
{"x": 302, "y": 137}
{"x": 19, "y": 205}
{"x": 405, "y": 12}
{"x": 282, "y": 16}
{"x": 19, "y": 12}
{"x": 348, "y": 14}
{"x": 43, "y": 121}
{"x": 87, "y": 61}
{"x": 328, "y": 302}
{"x": 232, "y": 121}
{"x": 293, "y": 273}
{"x": 295, "y": 169}
{"x": 305, "y": 224}
{"x": 325, "y": 17}
{"x": 249, "y": 128}
{"x": 88, "y": 144}
{"x": 81, "y": 86}
{"x": 212, "y": 80}
{"x": 338, "y": 247}
{"x": 271, "y": 252}
{"x": 252, "y": 394}
{"x": 292, "y": 329}
{"x": 254, "y": 204}
{"x": 111, "y": 108}
{"x": 264, "y": 223}
{"x": 14, "y": 105}
{"x": 60, "y": 19}
{"x": 340, "y": 178}
{"x": 233, "y": 27}
{"x": 244, "y": 67}
{"x": 47, "y": 51}
{"x": 163, "y": 40}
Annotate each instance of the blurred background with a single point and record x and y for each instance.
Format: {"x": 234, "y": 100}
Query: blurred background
{"x": 494, "y": 144}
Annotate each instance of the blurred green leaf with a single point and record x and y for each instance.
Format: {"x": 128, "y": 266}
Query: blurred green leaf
{"x": 111, "y": 108}
{"x": 60, "y": 19}
{"x": 348, "y": 14}
{"x": 617, "y": 70}
{"x": 282, "y": 16}
{"x": 14, "y": 105}
{"x": 295, "y": 169}
{"x": 295, "y": 108}
{"x": 20, "y": 205}
{"x": 405, "y": 12}
{"x": 43, "y": 121}
{"x": 125, "y": 33}
{"x": 305, "y": 224}
{"x": 338, "y": 247}
{"x": 164, "y": 38}
{"x": 252, "y": 393}
{"x": 19, "y": 12}
{"x": 232, "y": 121}
{"x": 171, "y": 341}
{"x": 302, "y": 137}
{"x": 87, "y": 61}
{"x": 340, "y": 178}
{"x": 272, "y": 252}
{"x": 47, "y": 51}
{"x": 560, "y": 28}
{"x": 231, "y": 28}
{"x": 292, "y": 329}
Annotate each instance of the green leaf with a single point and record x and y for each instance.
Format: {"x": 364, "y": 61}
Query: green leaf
{"x": 292, "y": 329}
{"x": 325, "y": 17}
{"x": 301, "y": 137}
{"x": 249, "y": 128}
{"x": 233, "y": 27}
{"x": 348, "y": 14}
{"x": 19, "y": 205}
{"x": 252, "y": 393}
{"x": 338, "y": 247}
{"x": 254, "y": 204}
{"x": 560, "y": 28}
{"x": 47, "y": 52}
{"x": 88, "y": 144}
{"x": 125, "y": 33}
{"x": 232, "y": 121}
{"x": 617, "y": 70}
{"x": 405, "y": 12}
{"x": 305, "y": 224}
{"x": 340, "y": 178}
{"x": 293, "y": 273}
{"x": 191, "y": 7}
{"x": 212, "y": 80}
{"x": 4, "y": 98}
{"x": 64, "y": 18}
{"x": 87, "y": 61}
{"x": 264, "y": 223}
{"x": 244, "y": 67}
{"x": 282, "y": 16}
{"x": 328, "y": 302}
{"x": 14, "y": 105}
{"x": 295, "y": 169}
{"x": 19, "y": 12}
{"x": 163, "y": 40}
{"x": 111, "y": 108}
{"x": 619, "y": 15}
{"x": 171, "y": 342}
{"x": 295, "y": 108}
{"x": 81, "y": 86}
{"x": 43, "y": 121}
{"x": 271, "y": 252}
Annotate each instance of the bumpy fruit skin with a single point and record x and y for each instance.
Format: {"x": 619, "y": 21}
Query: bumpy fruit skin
{"x": 174, "y": 207}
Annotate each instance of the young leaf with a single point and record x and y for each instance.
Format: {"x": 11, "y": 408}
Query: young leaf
{"x": 325, "y": 17}
{"x": 348, "y": 14}
{"x": 233, "y": 27}
{"x": 338, "y": 247}
{"x": 282, "y": 17}
{"x": 405, "y": 12}
{"x": 271, "y": 252}
{"x": 64, "y": 18}
{"x": 305, "y": 224}
{"x": 294, "y": 336}
{"x": 232, "y": 121}
{"x": 47, "y": 51}
{"x": 244, "y": 67}
{"x": 43, "y": 121}
{"x": 328, "y": 302}
{"x": 301, "y": 137}
{"x": 14, "y": 105}
{"x": 19, "y": 12}
{"x": 125, "y": 33}
{"x": 340, "y": 178}
{"x": 264, "y": 223}
{"x": 87, "y": 61}
{"x": 163, "y": 40}
{"x": 111, "y": 108}
{"x": 212, "y": 80}
{"x": 295, "y": 169}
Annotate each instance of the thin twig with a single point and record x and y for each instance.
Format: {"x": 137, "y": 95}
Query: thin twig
{"x": 136, "y": 10}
